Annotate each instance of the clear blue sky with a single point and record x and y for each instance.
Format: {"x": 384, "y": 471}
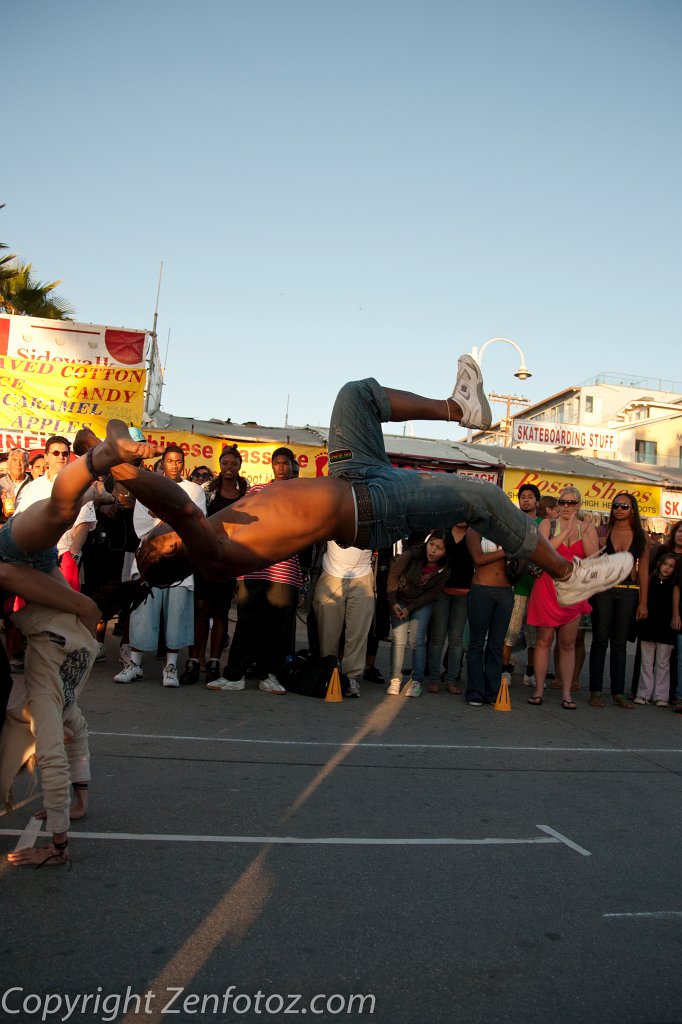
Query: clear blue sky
{"x": 345, "y": 188}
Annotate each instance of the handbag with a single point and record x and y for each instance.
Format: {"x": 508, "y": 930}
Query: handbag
{"x": 514, "y": 568}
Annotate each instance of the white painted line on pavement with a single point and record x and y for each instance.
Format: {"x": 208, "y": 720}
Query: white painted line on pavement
{"x": 28, "y": 837}
{"x": 656, "y": 914}
{"x": 553, "y": 838}
{"x": 389, "y": 746}
{"x": 563, "y": 839}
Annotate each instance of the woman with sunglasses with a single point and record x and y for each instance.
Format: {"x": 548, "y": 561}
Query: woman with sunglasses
{"x": 571, "y": 538}
{"x": 614, "y": 610}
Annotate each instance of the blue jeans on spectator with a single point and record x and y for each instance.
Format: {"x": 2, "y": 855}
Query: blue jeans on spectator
{"x": 489, "y": 611}
{"x": 613, "y": 612}
{"x": 448, "y": 620}
{"x": 416, "y": 627}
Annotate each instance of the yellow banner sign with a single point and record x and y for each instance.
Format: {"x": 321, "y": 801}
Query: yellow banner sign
{"x": 597, "y": 493}
{"x": 39, "y": 397}
{"x": 202, "y": 450}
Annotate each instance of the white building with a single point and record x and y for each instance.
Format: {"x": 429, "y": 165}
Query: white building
{"x": 612, "y": 416}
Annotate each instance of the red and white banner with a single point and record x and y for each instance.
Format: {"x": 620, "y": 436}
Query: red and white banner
{"x": 60, "y": 341}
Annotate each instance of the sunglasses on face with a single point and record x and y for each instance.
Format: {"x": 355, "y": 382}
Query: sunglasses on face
{"x": 622, "y": 504}
{"x": 202, "y": 476}
{"x": 568, "y": 501}
{"x": 59, "y": 455}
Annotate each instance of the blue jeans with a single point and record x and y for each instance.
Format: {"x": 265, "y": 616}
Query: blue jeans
{"x": 489, "y": 610}
{"x": 448, "y": 620}
{"x": 10, "y": 552}
{"x": 612, "y": 614}
{"x": 406, "y": 500}
{"x": 416, "y": 627}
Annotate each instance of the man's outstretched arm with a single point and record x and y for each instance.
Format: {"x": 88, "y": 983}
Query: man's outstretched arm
{"x": 51, "y": 591}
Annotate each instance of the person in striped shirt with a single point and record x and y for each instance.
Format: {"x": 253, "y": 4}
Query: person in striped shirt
{"x": 266, "y": 610}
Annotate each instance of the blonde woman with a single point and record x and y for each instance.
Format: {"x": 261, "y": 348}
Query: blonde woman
{"x": 570, "y": 538}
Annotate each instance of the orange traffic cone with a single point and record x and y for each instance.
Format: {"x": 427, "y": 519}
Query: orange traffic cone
{"x": 334, "y": 694}
{"x": 503, "y": 702}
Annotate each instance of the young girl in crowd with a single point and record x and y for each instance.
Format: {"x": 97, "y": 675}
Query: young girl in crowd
{"x": 657, "y": 635}
{"x": 415, "y": 580}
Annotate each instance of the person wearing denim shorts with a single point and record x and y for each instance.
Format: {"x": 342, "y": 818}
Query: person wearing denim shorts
{"x": 405, "y": 501}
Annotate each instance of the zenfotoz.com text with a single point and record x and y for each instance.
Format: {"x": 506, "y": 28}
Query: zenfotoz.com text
{"x": 57, "y": 1006}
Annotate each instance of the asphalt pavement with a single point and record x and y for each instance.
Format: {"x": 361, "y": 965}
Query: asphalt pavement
{"x": 250, "y": 857}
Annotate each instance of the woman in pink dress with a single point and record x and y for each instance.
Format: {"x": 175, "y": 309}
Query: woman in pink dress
{"x": 571, "y": 538}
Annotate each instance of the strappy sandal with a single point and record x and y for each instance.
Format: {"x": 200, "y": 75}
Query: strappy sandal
{"x": 60, "y": 857}
{"x": 595, "y": 699}
{"x": 454, "y": 690}
{"x": 621, "y": 701}
{"x": 433, "y": 688}
{"x": 569, "y": 705}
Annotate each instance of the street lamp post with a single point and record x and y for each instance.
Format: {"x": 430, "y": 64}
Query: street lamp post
{"x": 523, "y": 373}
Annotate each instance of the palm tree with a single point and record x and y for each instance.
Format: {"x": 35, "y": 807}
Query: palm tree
{"x": 21, "y": 293}
{"x": 7, "y": 271}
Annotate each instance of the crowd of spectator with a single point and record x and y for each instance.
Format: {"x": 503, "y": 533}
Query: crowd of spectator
{"x": 453, "y": 599}
{"x": 461, "y": 606}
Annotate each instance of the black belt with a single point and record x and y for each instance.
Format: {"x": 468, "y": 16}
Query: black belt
{"x": 363, "y": 533}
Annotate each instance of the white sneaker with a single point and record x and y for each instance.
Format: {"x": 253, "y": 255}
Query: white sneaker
{"x": 469, "y": 395}
{"x": 353, "y": 688}
{"x": 170, "y": 676}
{"x": 271, "y": 685}
{"x": 226, "y": 684}
{"x": 662, "y": 704}
{"x": 592, "y": 575}
{"x": 101, "y": 653}
{"x": 129, "y": 673}
{"x": 393, "y": 689}
{"x": 124, "y": 653}
{"x": 413, "y": 689}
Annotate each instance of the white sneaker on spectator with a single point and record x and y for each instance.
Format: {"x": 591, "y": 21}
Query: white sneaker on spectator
{"x": 353, "y": 688}
{"x": 101, "y": 653}
{"x": 170, "y": 676}
{"x": 469, "y": 394}
{"x": 226, "y": 684}
{"x": 412, "y": 689}
{"x": 129, "y": 673}
{"x": 393, "y": 689}
{"x": 271, "y": 685}
{"x": 592, "y": 575}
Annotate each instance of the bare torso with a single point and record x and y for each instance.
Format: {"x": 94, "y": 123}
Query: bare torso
{"x": 283, "y": 518}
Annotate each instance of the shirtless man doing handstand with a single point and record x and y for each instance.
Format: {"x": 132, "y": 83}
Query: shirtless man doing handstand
{"x": 365, "y": 501}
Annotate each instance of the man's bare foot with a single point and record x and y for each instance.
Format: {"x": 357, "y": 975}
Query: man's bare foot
{"x": 78, "y": 808}
{"x": 116, "y": 448}
{"x": 37, "y": 856}
{"x": 84, "y": 440}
